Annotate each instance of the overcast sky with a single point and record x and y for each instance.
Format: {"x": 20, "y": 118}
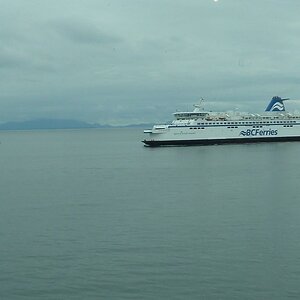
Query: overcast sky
{"x": 132, "y": 61}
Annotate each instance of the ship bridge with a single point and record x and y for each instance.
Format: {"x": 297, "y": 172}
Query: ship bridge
{"x": 190, "y": 115}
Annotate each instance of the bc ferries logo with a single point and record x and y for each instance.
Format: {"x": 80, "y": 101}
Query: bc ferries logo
{"x": 277, "y": 107}
{"x": 259, "y": 132}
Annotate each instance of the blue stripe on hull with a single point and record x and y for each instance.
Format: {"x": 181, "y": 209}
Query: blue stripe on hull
{"x": 152, "y": 143}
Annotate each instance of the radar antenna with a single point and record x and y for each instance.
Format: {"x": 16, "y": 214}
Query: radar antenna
{"x": 200, "y": 104}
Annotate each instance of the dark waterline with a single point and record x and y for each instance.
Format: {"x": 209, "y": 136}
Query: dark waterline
{"x": 92, "y": 214}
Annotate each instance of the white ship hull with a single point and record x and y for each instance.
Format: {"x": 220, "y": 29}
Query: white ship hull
{"x": 222, "y": 135}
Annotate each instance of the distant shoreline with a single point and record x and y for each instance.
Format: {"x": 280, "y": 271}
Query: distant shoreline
{"x": 47, "y": 124}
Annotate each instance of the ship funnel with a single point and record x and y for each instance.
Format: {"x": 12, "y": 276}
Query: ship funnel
{"x": 276, "y": 104}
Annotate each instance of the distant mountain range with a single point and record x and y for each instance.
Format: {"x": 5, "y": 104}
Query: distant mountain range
{"x": 58, "y": 124}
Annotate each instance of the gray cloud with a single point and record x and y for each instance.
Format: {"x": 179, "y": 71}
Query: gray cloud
{"x": 129, "y": 61}
{"x": 82, "y": 32}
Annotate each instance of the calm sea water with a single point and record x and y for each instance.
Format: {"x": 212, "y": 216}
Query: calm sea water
{"x": 92, "y": 214}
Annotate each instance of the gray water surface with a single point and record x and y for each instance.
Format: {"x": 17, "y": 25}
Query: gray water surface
{"x": 92, "y": 214}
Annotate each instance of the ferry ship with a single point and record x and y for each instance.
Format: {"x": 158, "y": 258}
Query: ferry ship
{"x": 200, "y": 127}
